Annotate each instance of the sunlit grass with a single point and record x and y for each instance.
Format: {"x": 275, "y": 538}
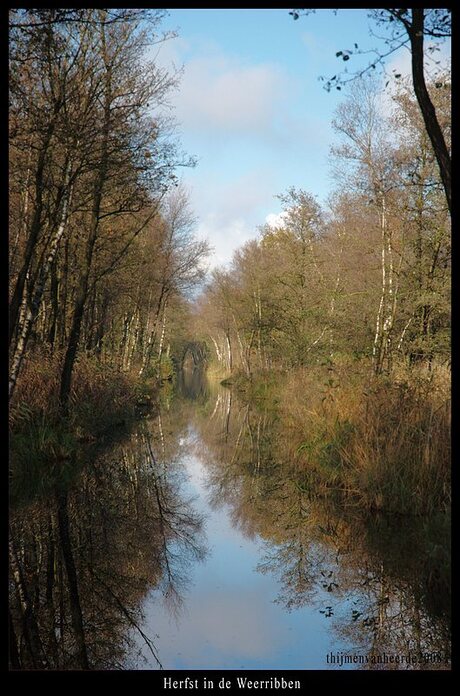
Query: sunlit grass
{"x": 385, "y": 442}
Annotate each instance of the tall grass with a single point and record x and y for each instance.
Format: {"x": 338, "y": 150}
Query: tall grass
{"x": 100, "y": 396}
{"x": 384, "y": 443}
{"x": 43, "y": 446}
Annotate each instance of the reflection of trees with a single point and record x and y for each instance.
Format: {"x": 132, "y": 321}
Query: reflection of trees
{"x": 177, "y": 529}
{"x": 401, "y": 594}
{"x": 383, "y": 583}
{"x": 192, "y": 384}
{"x": 82, "y": 560}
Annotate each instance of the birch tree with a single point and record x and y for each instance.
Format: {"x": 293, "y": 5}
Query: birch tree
{"x": 367, "y": 148}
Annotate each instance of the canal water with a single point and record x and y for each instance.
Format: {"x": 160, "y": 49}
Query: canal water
{"x": 229, "y": 617}
{"x": 287, "y": 582}
{"x": 195, "y": 545}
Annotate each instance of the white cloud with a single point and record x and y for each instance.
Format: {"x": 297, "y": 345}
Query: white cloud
{"x": 275, "y": 219}
{"x": 229, "y": 211}
{"x": 245, "y": 124}
{"x": 221, "y": 93}
{"x": 224, "y": 236}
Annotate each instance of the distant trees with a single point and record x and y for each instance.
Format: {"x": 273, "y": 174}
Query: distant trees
{"x": 368, "y": 275}
{"x": 179, "y": 268}
{"x": 91, "y": 160}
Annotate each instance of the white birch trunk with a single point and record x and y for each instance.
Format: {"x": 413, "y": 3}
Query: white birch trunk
{"x": 30, "y": 312}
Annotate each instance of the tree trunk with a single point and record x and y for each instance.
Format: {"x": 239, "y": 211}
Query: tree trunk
{"x": 36, "y": 223}
{"x": 229, "y": 349}
{"x": 13, "y": 642}
{"x": 74, "y": 597}
{"x": 31, "y": 311}
{"x": 162, "y": 338}
{"x": 379, "y": 341}
{"x": 415, "y": 31}
{"x": 216, "y": 346}
{"x": 72, "y": 346}
{"x": 54, "y": 292}
{"x": 148, "y": 351}
{"x": 24, "y": 216}
{"x": 29, "y": 621}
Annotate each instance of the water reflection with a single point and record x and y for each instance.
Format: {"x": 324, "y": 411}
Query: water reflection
{"x": 382, "y": 584}
{"x": 192, "y": 385}
{"x": 289, "y": 578}
{"x": 83, "y": 559}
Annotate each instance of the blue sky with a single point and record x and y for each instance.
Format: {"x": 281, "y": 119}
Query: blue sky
{"x": 251, "y": 109}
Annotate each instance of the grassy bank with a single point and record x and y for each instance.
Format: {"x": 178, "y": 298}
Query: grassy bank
{"x": 385, "y": 443}
{"x": 374, "y": 442}
{"x": 44, "y": 447}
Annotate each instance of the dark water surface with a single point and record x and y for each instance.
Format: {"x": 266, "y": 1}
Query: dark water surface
{"x": 193, "y": 544}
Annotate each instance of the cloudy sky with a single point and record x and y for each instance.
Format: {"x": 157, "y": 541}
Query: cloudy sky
{"x": 252, "y": 111}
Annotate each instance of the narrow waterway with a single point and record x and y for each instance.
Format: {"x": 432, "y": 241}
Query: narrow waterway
{"x": 191, "y": 543}
{"x": 283, "y": 585}
{"x": 229, "y": 617}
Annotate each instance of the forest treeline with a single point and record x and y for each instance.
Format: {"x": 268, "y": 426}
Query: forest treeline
{"x": 102, "y": 250}
{"x": 367, "y": 275}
